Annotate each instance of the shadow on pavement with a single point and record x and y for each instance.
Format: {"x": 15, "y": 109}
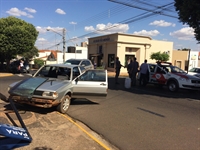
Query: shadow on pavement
{"x": 82, "y": 101}
{"x": 3, "y": 97}
{"x": 150, "y": 89}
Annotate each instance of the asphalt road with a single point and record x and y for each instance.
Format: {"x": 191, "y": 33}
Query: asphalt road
{"x": 141, "y": 118}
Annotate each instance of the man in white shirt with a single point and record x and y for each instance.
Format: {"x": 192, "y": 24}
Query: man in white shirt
{"x": 143, "y": 73}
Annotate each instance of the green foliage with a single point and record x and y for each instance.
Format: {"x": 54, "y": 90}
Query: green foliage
{"x": 16, "y": 37}
{"x": 189, "y": 13}
{"x": 30, "y": 54}
{"x": 38, "y": 62}
{"x": 158, "y": 56}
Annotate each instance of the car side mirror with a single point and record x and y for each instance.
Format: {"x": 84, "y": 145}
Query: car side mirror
{"x": 76, "y": 80}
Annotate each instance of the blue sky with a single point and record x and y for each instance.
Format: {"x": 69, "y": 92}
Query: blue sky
{"x": 88, "y": 18}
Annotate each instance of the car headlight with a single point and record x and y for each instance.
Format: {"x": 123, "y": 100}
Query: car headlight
{"x": 183, "y": 79}
{"x": 50, "y": 94}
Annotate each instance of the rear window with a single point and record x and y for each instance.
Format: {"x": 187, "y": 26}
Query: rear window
{"x": 73, "y": 62}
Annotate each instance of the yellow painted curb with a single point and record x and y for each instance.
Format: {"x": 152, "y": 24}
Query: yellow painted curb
{"x": 5, "y": 74}
{"x": 91, "y": 136}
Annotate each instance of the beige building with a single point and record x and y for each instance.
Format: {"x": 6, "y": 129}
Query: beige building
{"x": 103, "y": 49}
{"x": 180, "y": 59}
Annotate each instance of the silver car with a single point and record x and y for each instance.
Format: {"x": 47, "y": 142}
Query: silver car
{"x": 86, "y": 63}
{"x": 55, "y": 85}
{"x": 194, "y": 71}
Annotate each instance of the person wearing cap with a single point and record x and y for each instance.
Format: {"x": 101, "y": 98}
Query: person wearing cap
{"x": 118, "y": 66}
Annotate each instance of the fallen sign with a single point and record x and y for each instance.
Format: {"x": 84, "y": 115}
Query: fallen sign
{"x": 13, "y": 137}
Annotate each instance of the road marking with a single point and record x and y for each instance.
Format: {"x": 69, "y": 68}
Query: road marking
{"x": 91, "y": 136}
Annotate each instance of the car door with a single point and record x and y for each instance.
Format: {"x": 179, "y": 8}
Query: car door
{"x": 152, "y": 68}
{"x": 91, "y": 83}
{"x": 159, "y": 75}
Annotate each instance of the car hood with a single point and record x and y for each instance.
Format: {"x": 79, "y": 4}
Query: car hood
{"x": 194, "y": 74}
{"x": 187, "y": 76}
{"x": 27, "y": 87}
{"x": 53, "y": 85}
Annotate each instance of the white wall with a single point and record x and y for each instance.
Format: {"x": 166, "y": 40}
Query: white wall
{"x": 83, "y": 55}
{"x": 44, "y": 55}
{"x": 193, "y": 59}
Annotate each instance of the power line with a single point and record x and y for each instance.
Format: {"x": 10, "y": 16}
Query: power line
{"x": 157, "y": 11}
{"x": 146, "y": 9}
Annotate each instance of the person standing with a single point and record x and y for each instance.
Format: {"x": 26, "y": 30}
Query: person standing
{"x": 143, "y": 73}
{"x": 129, "y": 68}
{"x": 118, "y": 66}
{"x": 134, "y": 70}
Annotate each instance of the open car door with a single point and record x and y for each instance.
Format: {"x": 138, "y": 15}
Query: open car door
{"x": 91, "y": 83}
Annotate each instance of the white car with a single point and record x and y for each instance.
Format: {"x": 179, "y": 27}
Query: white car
{"x": 194, "y": 71}
{"x": 172, "y": 77}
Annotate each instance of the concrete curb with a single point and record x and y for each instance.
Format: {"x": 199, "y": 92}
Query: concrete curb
{"x": 5, "y": 74}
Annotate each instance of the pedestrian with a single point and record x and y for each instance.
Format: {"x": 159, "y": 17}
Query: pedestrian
{"x": 21, "y": 63}
{"x": 144, "y": 73}
{"x": 118, "y": 66}
{"x": 134, "y": 71}
{"x": 129, "y": 68}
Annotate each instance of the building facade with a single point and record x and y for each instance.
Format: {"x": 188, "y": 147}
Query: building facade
{"x": 185, "y": 60}
{"x": 56, "y": 57}
{"x": 104, "y": 49}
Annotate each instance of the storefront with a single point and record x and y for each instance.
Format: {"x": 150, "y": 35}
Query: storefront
{"x": 104, "y": 49}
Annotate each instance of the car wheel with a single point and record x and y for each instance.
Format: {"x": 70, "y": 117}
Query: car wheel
{"x": 64, "y": 105}
{"x": 172, "y": 86}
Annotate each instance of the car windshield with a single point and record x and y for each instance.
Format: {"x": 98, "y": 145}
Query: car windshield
{"x": 55, "y": 72}
{"x": 73, "y": 62}
{"x": 174, "y": 69}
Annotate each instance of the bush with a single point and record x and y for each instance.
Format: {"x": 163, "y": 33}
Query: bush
{"x": 38, "y": 62}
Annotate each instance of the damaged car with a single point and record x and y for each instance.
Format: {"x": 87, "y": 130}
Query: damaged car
{"x": 55, "y": 85}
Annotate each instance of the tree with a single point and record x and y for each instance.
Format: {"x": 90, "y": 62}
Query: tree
{"x": 158, "y": 56}
{"x": 189, "y": 13}
{"x": 30, "y": 54}
{"x": 16, "y": 37}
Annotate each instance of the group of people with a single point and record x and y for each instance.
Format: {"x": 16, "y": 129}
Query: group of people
{"x": 133, "y": 68}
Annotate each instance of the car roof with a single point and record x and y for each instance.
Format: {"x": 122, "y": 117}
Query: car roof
{"x": 162, "y": 64}
{"x": 62, "y": 65}
{"x": 77, "y": 59}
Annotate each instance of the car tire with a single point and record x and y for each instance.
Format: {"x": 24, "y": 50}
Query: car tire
{"x": 64, "y": 105}
{"x": 172, "y": 86}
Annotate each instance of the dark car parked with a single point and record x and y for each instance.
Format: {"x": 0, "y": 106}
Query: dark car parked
{"x": 15, "y": 67}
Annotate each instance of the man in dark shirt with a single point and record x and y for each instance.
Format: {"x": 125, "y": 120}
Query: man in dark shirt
{"x": 134, "y": 70}
{"x": 117, "y": 69}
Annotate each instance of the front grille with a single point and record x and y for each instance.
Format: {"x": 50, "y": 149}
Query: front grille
{"x": 38, "y": 93}
{"x": 196, "y": 81}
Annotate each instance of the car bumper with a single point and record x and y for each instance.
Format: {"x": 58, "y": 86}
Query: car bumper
{"x": 38, "y": 102}
{"x": 195, "y": 87}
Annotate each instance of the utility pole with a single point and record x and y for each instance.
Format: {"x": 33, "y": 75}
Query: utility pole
{"x": 63, "y": 38}
{"x": 64, "y": 31}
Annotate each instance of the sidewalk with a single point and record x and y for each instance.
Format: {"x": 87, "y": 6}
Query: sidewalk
{"x": 51, "y": 130}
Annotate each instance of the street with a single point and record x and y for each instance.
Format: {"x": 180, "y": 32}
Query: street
{"x": 139, "y": 118}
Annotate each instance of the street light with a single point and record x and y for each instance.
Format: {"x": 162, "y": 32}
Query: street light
{"x": 63, "y": 38}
